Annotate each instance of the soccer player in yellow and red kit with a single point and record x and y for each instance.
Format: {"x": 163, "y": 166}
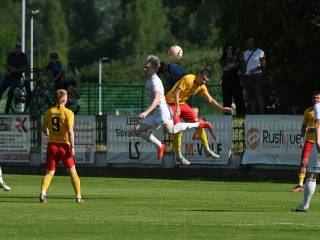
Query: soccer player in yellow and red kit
{"x": 58, "y": 124}
{"x": 308, "y": 129}
{"x": 177, "y": 99}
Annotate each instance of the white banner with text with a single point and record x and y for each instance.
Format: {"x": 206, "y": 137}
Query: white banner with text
{"x": 273, "y": 139}
{"x": 123, "y": 145}
{"x": 15, "y": 138}
{"x": 219, "y": 139}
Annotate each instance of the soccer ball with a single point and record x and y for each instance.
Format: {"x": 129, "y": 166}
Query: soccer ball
{"x": 175, "y": 52}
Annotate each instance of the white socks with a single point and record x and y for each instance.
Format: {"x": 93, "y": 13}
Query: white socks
{"x": 309, "y": 189}
{"x": 1, "y": 180}
{"x": 180, "y": 127}
{"x": 150, "y": 138}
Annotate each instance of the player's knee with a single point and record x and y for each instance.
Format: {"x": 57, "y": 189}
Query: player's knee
{"x": 72, "y": 169}
{"x": 51, "y": 172}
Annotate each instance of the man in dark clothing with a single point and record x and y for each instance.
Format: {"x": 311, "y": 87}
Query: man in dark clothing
{"x": 15, "y": 65}
{"x": 56, "y": 68}
{"x": 172, "y": 73}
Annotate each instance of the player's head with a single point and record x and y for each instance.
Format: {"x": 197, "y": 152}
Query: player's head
{"x": 203, "y": 76}
{"x": 251, "y": 43}
{"x": 152, "y": 65}
{"x": 164, "y": 67}
{"x": 316, "y": 97}
{"x": 18, "y": 48}
{"x": 54, "y": 56}
{"x": 62, "y": 96}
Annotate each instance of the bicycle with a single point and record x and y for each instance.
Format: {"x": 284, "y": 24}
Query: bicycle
{"x": 21, "y": 94}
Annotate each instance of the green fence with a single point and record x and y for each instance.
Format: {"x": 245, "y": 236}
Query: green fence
{"x": 127, "y": 99}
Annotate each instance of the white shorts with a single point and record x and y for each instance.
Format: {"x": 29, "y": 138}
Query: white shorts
{"x": 158, "y": 117}
{"x": 314, "y": 160}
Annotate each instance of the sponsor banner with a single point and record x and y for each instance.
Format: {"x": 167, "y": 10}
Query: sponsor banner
{"x": 85, "y": 140}
{"x": 220, "y": 141}
{"x": 15, "y": 137}
{"x": 123, "y": 144}
{"x": 273, "y": 139}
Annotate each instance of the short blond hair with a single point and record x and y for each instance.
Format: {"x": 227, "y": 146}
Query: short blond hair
{"x": 154, "y": 61}
{"x": 60, "y": 94}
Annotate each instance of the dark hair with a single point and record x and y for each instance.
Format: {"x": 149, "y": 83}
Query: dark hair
{"x": 206, "y": 71}
{"x": 315, "y": 93}
{"x": 54, "y": 55}
{"x": 224, "y": 53}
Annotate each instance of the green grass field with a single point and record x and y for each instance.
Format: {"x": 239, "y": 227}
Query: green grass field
{"x": 124, "y": 208}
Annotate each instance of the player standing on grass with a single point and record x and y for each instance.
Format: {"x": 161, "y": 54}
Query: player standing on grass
{"x": 158, "y": 112}
{"x": 177, "y": 99}
{"x": 314, "y": 165}
{"x": 58, "y": 124}
{"x": 307, "y": 129}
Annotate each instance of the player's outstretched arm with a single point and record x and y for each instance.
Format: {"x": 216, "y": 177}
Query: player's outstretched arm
{"x": 216, "y": 105}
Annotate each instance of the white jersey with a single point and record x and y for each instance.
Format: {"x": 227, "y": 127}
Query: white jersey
{"x": 314, "y": 159}
{"x": 254, "y": 60}
{"x": 161, "y": 114}
{"x": 316, "y": 110}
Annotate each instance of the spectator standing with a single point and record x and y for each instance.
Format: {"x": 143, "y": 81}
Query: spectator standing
{"x": 254, "y": 62}
{"x": 72, "y": 81}
{"x": 15, "y": 65}
{"x": 55, "y": 66}
{"x": 231, "y": 87}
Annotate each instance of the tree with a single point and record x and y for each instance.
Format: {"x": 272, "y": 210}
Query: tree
{"x": 51, "y": 32}
{"x": 289, "y": 32}
{"x": 10, "y": 29}
{"x": 142, "y": 29}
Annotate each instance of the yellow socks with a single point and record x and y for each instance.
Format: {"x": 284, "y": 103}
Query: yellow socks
{"x": 46, "y": 182}
{"x": 177, "y": 142}
{"x": 203, "y": 136}
{"x": 75, "y": 183}
{"x": 301, "y": 178}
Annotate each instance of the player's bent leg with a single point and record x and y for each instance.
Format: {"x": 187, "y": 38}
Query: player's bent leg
{"x": 204, "y": 140}
{"x": 177, "y": 142}
{"x": 144, "y": 131}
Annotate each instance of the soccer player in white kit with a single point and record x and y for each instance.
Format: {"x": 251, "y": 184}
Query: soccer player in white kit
{"x": 314, "y": 162}
{"x": 158, "y": 112}
{"x": 3, "y": 185}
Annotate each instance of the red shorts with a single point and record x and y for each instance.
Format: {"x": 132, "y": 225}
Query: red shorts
{"x": 57, "y": 152}
{"x": 306, "y": 149}
{"x": 187, "y": 114}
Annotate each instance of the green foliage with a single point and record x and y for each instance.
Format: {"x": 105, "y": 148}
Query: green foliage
{"x": 288, "y": 32}
{"x": 50, "y": 31}
{"x": 9, "y": 29}
{"x": 130, "y": 70}
{"x": 143, "y": 28}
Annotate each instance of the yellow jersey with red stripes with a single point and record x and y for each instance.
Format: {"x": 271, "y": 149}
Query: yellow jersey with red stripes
{"x": 188, "y": 87}
{"x": 58, "y": 119}
{"x": 308, "y": 120}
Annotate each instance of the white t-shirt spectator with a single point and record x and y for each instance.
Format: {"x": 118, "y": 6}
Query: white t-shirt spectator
{"x": 316, "y": 109}
{"x": 254, "y": 60}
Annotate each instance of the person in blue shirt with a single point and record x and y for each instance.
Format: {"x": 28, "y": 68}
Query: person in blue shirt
{"x": 172, "y": 73}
